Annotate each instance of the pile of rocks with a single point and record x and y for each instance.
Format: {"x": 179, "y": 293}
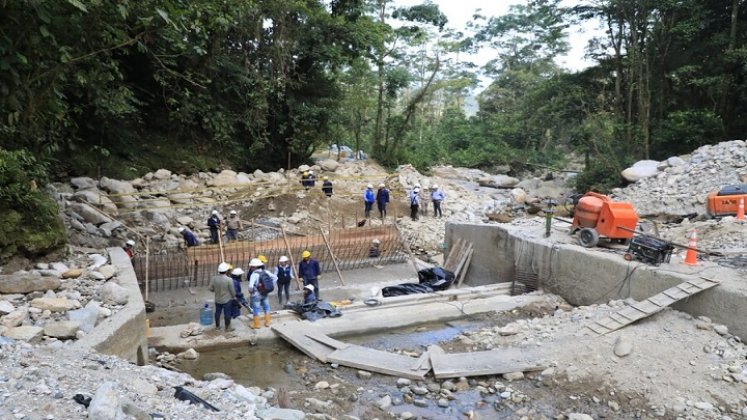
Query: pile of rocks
{"x": 678, "y": 186}
{"x": 41, "y": 383}
{"x": 54, "y": 303}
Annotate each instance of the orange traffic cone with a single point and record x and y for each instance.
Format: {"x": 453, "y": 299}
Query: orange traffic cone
{"x": 740, "y": 209}
{"x": 691, "y": 258}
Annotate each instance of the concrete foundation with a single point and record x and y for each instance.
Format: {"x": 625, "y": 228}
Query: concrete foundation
{"x": 587, "y": 276}
{"x": 123, "y": 334}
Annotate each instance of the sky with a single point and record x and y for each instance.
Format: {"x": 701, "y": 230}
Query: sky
{"x": 459, "y": 12}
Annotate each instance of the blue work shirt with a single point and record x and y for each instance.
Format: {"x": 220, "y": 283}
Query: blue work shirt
{"x": 309, "y": 298}
{"x": 213, "y": 222}
{"x": 368, "y": 196}
{"x": 382, "y": 196}
{"x": 190, "y": 238}
{"x": 309, "y": 269}
{"x": 437, "y": 195}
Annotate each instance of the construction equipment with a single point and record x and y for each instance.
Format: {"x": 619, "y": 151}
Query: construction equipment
{"x": 648, "y": 249}
{"x": 725, "y": 202}
{"x": 597, "y": 216}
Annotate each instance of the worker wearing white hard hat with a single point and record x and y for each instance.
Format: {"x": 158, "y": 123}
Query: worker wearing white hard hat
{"x": 437, "y": 198}
{"x": 368, "y": 199}
{"x": 284, "y": 273}
{"x": 236, "y": 276}
{"x": 190, "y": 239}
{"x": 382, "y": 200}
{"x": 309, "y": 297}
{"x": 128, "y": 248}
{"x": 259, "y": 288}
{"x": 214, "y": 225}
{"x": 225, "y": 293}
{"x": 233, "y": 226}
{"x": 414, "y": 198}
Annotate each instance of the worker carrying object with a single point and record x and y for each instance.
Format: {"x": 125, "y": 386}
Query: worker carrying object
{"x": 368, "y": 200}
{"x": 214, "y": 223}
{"x": 308, "y": 269}
{"x": 233, "y": 226}
{"x": 190, "y": 239}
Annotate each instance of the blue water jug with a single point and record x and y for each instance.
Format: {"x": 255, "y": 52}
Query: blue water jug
{"x": 206, "y": 316}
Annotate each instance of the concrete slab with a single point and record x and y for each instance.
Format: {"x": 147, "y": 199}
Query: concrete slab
{"x": 378, "y": 361}
{"x": 480, "y": 363}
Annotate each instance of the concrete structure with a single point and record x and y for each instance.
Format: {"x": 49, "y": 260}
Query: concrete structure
{"x": 586, "y": 276}
{"x": 123, "y": 334}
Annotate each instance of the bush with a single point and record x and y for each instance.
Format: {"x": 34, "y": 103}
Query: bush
{"x": 29, "y": 218}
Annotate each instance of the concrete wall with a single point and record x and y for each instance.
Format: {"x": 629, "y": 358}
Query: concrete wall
{"x": 124, "y": 333}
{"x": 584, "y": 277}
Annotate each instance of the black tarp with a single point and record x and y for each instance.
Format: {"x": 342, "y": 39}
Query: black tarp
{"x": 431, "y": 280}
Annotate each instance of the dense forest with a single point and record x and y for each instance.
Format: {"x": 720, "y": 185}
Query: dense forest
{"x": 120, "y": 87}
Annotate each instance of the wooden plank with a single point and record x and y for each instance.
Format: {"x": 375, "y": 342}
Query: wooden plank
{"x": 295, "y": 332}
{"x": 647, "y": 307}
{"x": 481, "y": 363}
{"x": 465, "y": 268}
{"x": 377, "y": 361}
{"x": 421, "y": 360}
{"x": 326, "y": 340}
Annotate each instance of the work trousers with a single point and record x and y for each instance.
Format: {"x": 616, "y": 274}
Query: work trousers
{"x": 437, "y": 208}
{"x": 414, "y": 211}
{"x": 382, "y": 210}
{"x": 214, "y": 235}
{"x": 257, "y": 301}
{"x": 369, "y": 206}
{"x": 226, "y": 309}
{"x": 283, "y": 286}
{"x": 232, "y": 234}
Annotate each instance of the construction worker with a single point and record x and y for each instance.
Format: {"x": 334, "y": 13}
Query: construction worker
{"x": 309, "y": 271}
{"x": 382, "y": 200}
{"x": 327, "y": 187}
{"x": 305, "y": 180}
{"x": 129, "y": 248}
{"x": 233, "y": 226}
{"x": 414, "y": 202}
{"x": 263, "y": 259}
{"x": 284, "y": 273}
{"x": 190, "y": 239}
{"x": 258, "y": 299}
{"x": 374, "y": 251}
{"x": 214, "y": 225}
{"x": 368, "y": 200}
{"x": 240, "y": 300}
{"x": 225, "y": 294}
{"x": 308, "y": 294}
{"x": 437, "y": 197}
{"x": 312, "y": 179}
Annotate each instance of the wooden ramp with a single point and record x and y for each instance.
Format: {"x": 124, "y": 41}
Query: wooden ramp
{"x": 307, "y": 338}
{"x": 460, "y": 256}
{"x": 481, "y": 363}
{"x": 648, "y": 307}
{"x": 382, "y": 362}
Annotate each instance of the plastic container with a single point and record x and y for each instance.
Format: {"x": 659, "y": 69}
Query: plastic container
{"x": 206, "y": 316}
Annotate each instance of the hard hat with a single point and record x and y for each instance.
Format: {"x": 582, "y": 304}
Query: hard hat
{"x": 283, "y": 258}
{"x": 237, "y": 271}
{"x": 222, "y": 267}
{"x": 369, "y": 186}
{"x": 181, "y": 229}
{"x": 416, "y": 189}
{"x": 382, "y": 185}
{"x": 309, "y": 286}
{"x": 255, "y": 262}
{"x": 305, "y": 254}
{"x": 376, "y": 241}
{"x": 311, "y": 172}
{"x": 435, "y": 186}
{"x": 230, "y": 267}
{"x": 326, "y": 178}
{"x": 130, "y": 242}
{"x": 417, "y": 185}
{"x": 263, "y": 259}
{"x": 305, "y": 173}
{"x": 215, "y": 212}
{"x": 232, "y": 212}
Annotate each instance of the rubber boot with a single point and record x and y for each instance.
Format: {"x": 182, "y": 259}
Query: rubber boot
{"x": 229, "y": 328}
{"x": 255, "y": 325}
{"x": 267, "y": 320}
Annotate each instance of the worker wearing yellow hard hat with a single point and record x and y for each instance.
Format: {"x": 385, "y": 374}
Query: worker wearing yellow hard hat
{"x": 309, "y": 271}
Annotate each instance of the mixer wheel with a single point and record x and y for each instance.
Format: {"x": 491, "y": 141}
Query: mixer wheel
{"x": 588, "y": 237}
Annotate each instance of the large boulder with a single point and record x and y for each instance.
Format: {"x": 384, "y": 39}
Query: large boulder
{"x": 6, "y": 307}
{"x": 90, "y": 214}
{"x": 162, "y": 174}
{"x": 329, "y": 165}
{"x": 83, "y": 182}
{"x": 225, "y": 178}
{"x": 86, "y": 317}
{"x": 498, "y": 181}
{"x": 25, "y": 333}
{"x": 116, "y": 187}
{"x": 95, "y": 198}
{"x": 14, "y": 318}
{"x": 641, "y": 169}
{"x": 61, "y": 329}
{"x": 53, "y": 304}
{"x": 105, "y": 404}
{"x": 113, "y": 294}
{"x": 26, "y": 283}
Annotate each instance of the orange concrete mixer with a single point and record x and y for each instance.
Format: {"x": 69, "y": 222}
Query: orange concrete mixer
{"x": 597, "y": 216}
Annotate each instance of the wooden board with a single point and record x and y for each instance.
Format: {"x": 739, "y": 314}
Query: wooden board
{"x": 297, "y": 333}
{"x": 379, "y": 361}
{"x": 648, "y": 307}
{"x": 481, "y": 363}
